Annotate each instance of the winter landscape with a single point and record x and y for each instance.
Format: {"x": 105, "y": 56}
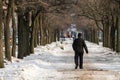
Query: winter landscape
{"x": 46, "y": 39}
{"x": 50, "y": 62}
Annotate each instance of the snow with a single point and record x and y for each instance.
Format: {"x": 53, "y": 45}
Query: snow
{"x": 51, "y": 62}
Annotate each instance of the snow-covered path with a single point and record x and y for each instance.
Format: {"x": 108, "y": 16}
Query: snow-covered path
{"x": 50, "y": 62}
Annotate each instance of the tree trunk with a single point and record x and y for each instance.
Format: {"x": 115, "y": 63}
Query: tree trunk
{"x": 50, "y": 36}
{"x": 96, "y": 37}
{"x": 118, "y": 35}
{"x": 14, "y": 39}
{"x": 93, "y": 35}
{"x": 112, "y": 34}
{"x": 41, "y": 30}
{"x": 55, "y": 35}
{"x": 35, "y": 39}
{"x": 44, "y": 29}
{"x": 112, "y": 38}
{"x": 1, "y": 39}
{"x": 47, "y": 36}
{"x": 23, "y": 37}
{"x": 14, "y": 31}
{"x": 58, "y": 35}
{"x": 32, "y": 39}
{"x": 107, "y": 37}
{"x": 106, "y": 34}
{"x": 36, "y": 32}
{"x": 38, "y": 40}
{"x": 7, "y": 32}
{"x": 90, "y": 35}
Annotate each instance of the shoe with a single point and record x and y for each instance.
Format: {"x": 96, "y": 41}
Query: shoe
{"x": 80, "y": 67}
{"x": 76, "y": 66}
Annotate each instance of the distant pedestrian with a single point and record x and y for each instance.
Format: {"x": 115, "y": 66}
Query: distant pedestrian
{"x": 79, "y": 46}
{"x": 73, "y": 34}
{"x": 62, "y": 45}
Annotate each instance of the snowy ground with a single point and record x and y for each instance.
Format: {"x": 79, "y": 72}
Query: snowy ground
{"x": 50, "y": 62}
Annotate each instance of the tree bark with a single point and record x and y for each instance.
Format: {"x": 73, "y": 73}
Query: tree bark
{"x": 23, "y": 37}
{"x": 14, "y": 38}
{"x": 106, "y": 33}
{"x": 118, "y": 35}
{"x": 104, "y": 41}
{"x": 41, "y": 30}
{"x": 1, "y": 39}
{"x": 33, "y": 26}
{"x": 94, "y": 36}
{"x": 14, "y": 31}
{"x": 112, "y": 40}
{"x": 7, "y": 31}
{"x": 36, "y": 30}
{"x": 112, "y": 33}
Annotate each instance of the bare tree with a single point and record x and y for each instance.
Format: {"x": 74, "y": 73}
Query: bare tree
{"x": 1, "y": 35}
{"x": 7, "y": 31}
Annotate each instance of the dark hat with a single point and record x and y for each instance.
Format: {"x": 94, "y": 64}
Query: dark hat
{"x": 79, "y": 34}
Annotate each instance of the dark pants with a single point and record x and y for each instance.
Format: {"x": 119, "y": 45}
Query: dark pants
{"x": 78, "y": 57}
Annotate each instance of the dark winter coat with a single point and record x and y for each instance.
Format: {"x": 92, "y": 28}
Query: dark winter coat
{"x": 79, "y": 45}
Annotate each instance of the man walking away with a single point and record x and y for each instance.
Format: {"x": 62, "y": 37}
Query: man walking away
{"x": 78, "y": 46}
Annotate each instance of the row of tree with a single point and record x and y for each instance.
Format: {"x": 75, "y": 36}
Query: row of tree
{"x": 33, "y": 22}
{"x": 106, "y": 16}
{"x": 39, "y": 22}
